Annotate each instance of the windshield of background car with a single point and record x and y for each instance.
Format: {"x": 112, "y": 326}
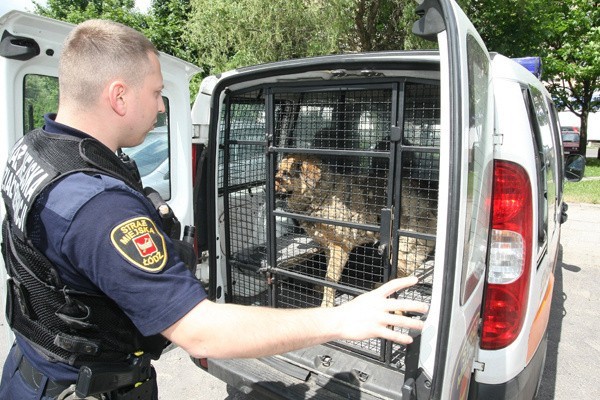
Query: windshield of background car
{"x": 152, "y": 156}
{"x": 570, "y": 137}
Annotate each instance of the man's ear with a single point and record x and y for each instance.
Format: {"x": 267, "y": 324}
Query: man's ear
{"x": 116, "y": 97}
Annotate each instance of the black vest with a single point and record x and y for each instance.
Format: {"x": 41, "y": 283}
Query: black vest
{"x": 62, "y": 323}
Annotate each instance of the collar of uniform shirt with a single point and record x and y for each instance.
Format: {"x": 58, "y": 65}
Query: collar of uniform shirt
{"x": 51, "y": 126}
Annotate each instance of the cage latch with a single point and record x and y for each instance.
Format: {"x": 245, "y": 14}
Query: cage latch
{"x": 385, "y": 231}
{"x": 396, "y": 133}
{"x": 269, "y": 276}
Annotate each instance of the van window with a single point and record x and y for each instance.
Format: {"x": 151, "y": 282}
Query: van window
{"x": 477, "y": 214}
{"x": 556, "y": 133}
{"x": 548, "y": 153}
{"x": 546, "y": 162}
{"x": 40, "y": 97}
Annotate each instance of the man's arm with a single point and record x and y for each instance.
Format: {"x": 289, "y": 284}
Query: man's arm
{"x": 233, "y": 331}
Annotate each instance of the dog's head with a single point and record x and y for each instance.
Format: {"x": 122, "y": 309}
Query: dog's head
{"x": 297, "y": 174}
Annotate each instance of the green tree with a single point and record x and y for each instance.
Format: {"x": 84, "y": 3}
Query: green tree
{"x": 166, "y": 22}
{"x": 229, "y": 34}
{"x": 76, "y": 11}
{"x": 373, "y": 25}
{"x": 572, "y": 63}
{"x": 565, "y": 33}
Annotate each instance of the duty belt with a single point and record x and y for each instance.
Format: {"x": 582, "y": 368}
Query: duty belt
{"x": 35, "y": 379}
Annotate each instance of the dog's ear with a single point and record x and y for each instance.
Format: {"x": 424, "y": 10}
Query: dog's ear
{"x": 311, "y": 174}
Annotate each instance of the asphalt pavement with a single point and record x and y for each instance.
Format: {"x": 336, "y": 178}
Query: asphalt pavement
{"x": 573, "y": 358}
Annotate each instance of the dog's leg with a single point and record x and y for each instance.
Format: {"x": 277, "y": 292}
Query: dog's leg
{"x": 336, "y": 260}
{"x": 406, "y": 250}
{"x": 412, "y": 253}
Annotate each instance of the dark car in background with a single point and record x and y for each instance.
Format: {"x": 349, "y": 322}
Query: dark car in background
{"x": 570, "y": 141}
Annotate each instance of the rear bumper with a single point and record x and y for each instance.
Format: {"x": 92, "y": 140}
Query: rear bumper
{"x": 289, "y": 377}
{"x": 571, "y": 150}
{"x": 521, "y": 387}
{"x": 251, "y": 376}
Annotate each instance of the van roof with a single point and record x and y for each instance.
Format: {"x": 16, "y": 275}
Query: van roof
{"x": 506, "y": 68}
{"x": 328, "y": 65}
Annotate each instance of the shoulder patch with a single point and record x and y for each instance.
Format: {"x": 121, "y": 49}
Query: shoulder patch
{"x": 141, "y": 243}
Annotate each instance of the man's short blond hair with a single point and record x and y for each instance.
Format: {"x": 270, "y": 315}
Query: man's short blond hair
{"x": 98, "y": 51}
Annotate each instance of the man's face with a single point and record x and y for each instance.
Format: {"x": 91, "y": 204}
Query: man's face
{"x": 148, "y": 102}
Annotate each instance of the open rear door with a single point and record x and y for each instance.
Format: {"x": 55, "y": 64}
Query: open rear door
{"x": 450, "y": 337}
{"x": 30, "y": 46}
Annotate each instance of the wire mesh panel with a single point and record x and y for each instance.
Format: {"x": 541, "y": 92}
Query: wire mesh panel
{"x": 325, "y": 179}
{"x": 416, "y": 213}
{"x": 324, "y": 200}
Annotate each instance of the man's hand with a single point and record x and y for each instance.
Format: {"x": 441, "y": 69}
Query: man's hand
{"x": 374, "y": 313}
{"x": 233, "y": 331}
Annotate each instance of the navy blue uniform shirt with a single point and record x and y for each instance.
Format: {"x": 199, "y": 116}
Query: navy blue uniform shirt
{"x": 72, "y": 223}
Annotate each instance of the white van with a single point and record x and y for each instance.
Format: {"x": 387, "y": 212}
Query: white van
{"x": 443, "y": 164}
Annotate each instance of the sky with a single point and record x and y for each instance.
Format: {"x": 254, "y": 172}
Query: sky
{"x": 27, "y": 5}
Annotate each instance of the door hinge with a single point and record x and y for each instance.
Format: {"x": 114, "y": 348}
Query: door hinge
{"x": 478, "y": 366}
{"x": 498, "y": 138}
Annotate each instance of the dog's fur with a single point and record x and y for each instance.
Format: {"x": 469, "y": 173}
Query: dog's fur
{"x": 313, "y": 189}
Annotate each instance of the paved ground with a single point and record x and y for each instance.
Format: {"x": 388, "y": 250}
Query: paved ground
{"x": 573, "y": 359}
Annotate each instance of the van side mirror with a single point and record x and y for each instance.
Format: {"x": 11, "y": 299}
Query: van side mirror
{"x": 574, "y": 167}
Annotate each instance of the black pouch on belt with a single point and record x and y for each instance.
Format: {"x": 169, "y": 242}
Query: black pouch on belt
{"x": 143, "y": 391}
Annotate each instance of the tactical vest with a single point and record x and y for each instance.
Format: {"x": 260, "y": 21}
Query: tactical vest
{"x": 64, "y": 324}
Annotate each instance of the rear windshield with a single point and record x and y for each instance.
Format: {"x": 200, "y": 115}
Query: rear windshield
{"x": 570, "y": 137}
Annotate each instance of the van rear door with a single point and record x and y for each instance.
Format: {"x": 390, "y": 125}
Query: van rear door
{"x": 30, "y": 47}
{"x": 450, "y": 337}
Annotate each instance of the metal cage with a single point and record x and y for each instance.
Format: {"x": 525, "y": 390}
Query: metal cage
{"x": 328, "y": 192}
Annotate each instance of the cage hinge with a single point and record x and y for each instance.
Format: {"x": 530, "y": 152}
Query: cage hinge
{"x": 418, "y": 387}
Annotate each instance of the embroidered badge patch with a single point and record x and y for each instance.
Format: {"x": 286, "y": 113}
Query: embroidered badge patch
{"x": 140, "y": 242}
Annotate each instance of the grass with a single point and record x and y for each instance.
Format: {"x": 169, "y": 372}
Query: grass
{"x": 592, "y": 167}
{"x": 588, "y": 190}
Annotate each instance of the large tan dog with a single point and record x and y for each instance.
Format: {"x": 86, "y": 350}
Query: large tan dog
{"x": 312, "y": 189}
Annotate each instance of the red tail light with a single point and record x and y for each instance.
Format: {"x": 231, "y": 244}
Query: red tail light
{"x": 509, "y": 257}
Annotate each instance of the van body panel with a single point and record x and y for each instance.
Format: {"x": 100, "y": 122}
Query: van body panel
{"x": 513, "y": 125}
{"x": 522, "y": 387}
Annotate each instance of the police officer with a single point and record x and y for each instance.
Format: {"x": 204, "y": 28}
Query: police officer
{"x": 94, "y": 279}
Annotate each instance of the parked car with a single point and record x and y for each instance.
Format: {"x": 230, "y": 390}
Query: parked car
{"x": 456, "y": 152}
{"x": 152, "y": 160}
{"x": 570, "y": 140}
{"x": 564, "y": 129}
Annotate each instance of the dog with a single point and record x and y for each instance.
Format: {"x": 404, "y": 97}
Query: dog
{"x": 315, "y": 189}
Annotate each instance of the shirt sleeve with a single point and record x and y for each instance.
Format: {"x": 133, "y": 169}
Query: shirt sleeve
{"x": 115, "y": 241}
